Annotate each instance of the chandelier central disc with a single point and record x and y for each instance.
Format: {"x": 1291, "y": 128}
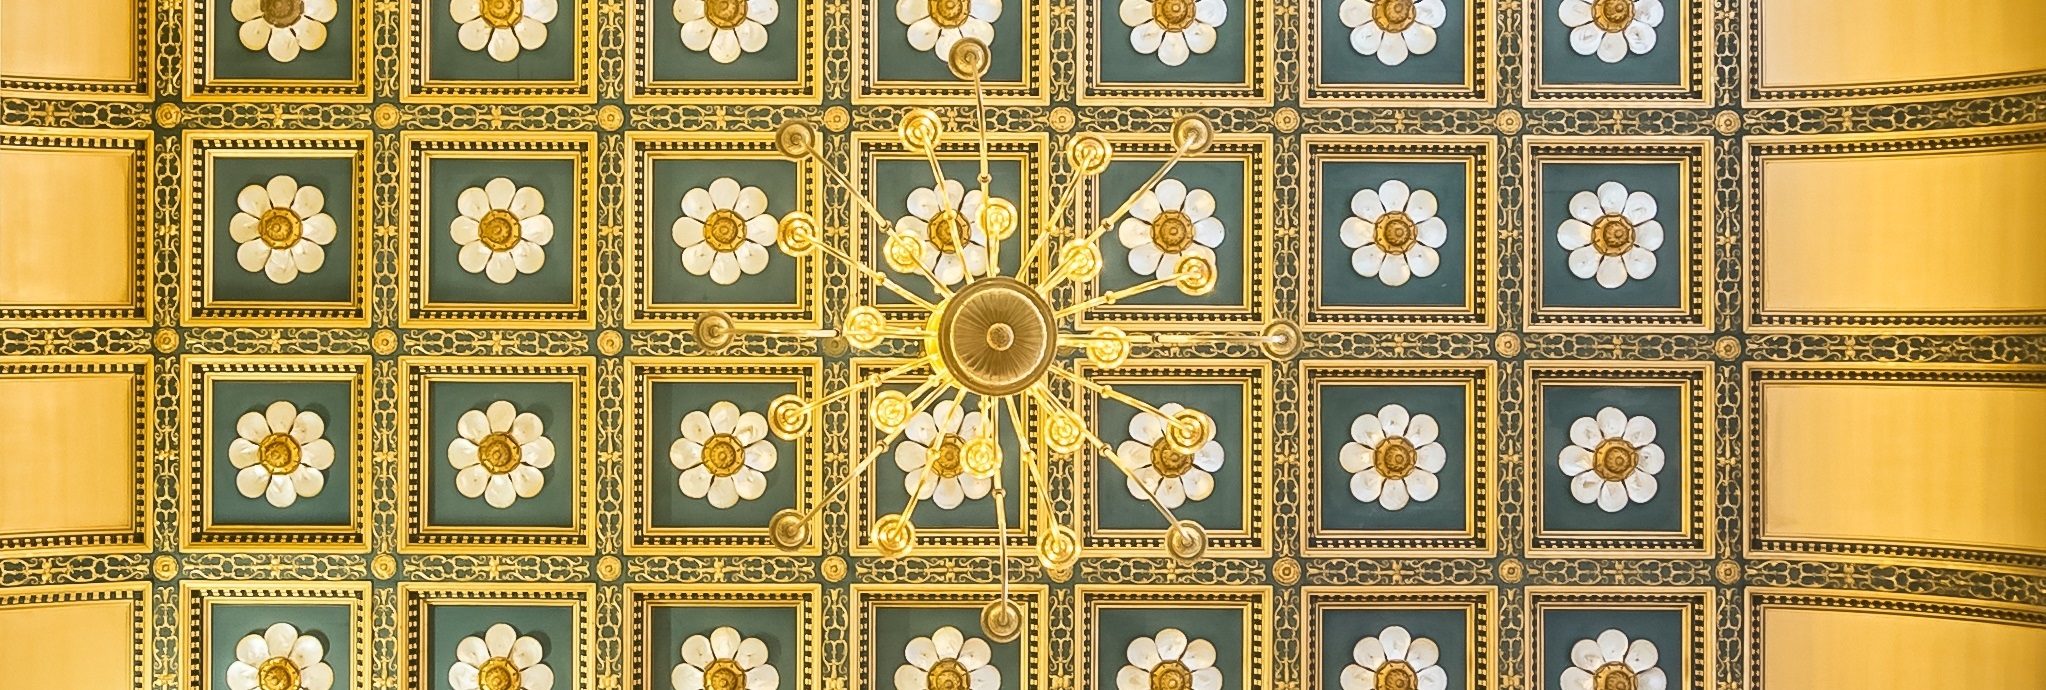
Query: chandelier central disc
{"x": 996, "y": 336}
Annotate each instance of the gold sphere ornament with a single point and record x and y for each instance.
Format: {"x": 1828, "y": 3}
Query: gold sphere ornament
{"x": 1727, "y": 347}
{"x": 788, "y": 416}
{"x": 788, "y": 530}
{"x": 165, "y": 340}
{"x": 609, "y": 568}
{"x": 384, "y": 566}
{"x": 1001, "y": 620}
{"x": 1286, "y": 119}
{"x": 164, "y": 567}
{"x": 1186, "y": 540}
{"x": 1508, "y": 121}
{"x": 1511, "y": 571}
{"x": 893, "y": 535}
{"x": 1507, "y": 344}
{"x": 610, "y": 342}
{"x": 837, "y": 118}
{"x": 1061, "y": 119}
{"x": 833, "y": 568}
{"x": 1286, "y": 571}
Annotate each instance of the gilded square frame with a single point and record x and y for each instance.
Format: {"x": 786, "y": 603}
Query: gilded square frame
{"x": 1697, "y": 446}
{"x": 1255, "y": 90}
{"x": 416, "y": 534}
{"x": 1480, "y": 604}
{"x": 1260, "y": 254}
{"x": 1481, "y": 508}
{"x": 197, "y": 214}
{"x": 1260, "y": 658}
{"x": 1480, "y": 154}
{"x": 199, "y": 84}
{"x": 151, "y": 399}
{"x": 1758, "y": 95}
{"x": 1028, "y": 150}
{"x": 197, "y": 533}
{"x": 1758, "y": 600}
{"x": 147, "y": 652}
{"x": 1700, "y": 241}
{"x": 420, "y": 149}
{"x": 197, "y": 597}
{"x": 642, "y": 537}
{"x": 147, "y": 168}
{"x": 1695, "y": 89}
{"x": 141, "y": 88}
{"x": 1036, "y": 601}
{"x": 414, "y": 36}
{"x": 1698, "y": 605}
{"x": 1758, "y": 544}
{"x": 1258, "y": 457}
{"x": 1036, "y": 58}
{"x": 416, "y": 599}
{"x": 646, "y": 149}
{"x": 641, "y": 87}
{"x": 1477, "y": 89}
{"x": 642, "y": 598}
{"x": 862, "y": 495}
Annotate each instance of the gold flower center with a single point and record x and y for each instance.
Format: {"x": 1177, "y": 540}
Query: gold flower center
{"x": 1612, "y": 235}
{"x": 1393, "y": 16}
{"x": 498, "y": 452}
{"x": 1614, "y": 459}
{"x": 947, "y": 231}
{"x": 949, "y": 14}
{"x": 279, "y": 228}
{"x": 1171, "y": 675}
{"x": 283, "y": 13}
{"x": 1395, "y": 233}
{"x": 1396, "y": 675}
{"x": 725, "y": 14}
{"x": 1612, "y": 16}
{"x": 945, "y": 461}
{"x": 1613, "y": 676}
{"x": 503, "y": 14}
{"x": 278, "y": 453}
{"x": 1169, "y": 463}
{"x": 723, "y": 455}
{"x": 1172, "y": 231}
{"x": 499, "y": 230}
{"x": 724, "y": 674}
{"x": 1394, "y": 457}
{"x": 948, "y": 674}
{"x": 498, "y": 674}
{"x": 725, "y": 230}
{"x": 1173, "y": 15}
{"x": 277, "y": 673}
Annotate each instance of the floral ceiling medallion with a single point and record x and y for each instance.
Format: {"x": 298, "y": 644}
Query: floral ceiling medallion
{"x": 1010, "y": 341}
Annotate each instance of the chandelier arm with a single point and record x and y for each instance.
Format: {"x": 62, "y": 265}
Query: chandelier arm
{"x": 859, "y": 197}
{"x": 870, "y": 381}
{"x": 881, "y": 278}
{"x": 845, "y": 482}
{"x": 925, "y": 271}
{"x": 1029, "y": 459}
{"x": 1224, "y": 338}
{"x": 740, "y": 327}
{"x": 1108, "y": 451}
{"x": 1114, "y": 296}
{"x": 1109, "y": 392}
{"x": 994, "y": 246}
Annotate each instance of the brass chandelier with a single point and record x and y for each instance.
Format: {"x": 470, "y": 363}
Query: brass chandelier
{"x": 1000, "y": 338}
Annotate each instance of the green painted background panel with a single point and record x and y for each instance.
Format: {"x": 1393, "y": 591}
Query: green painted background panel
{"x": 554, "y": 627}
{"x": 333, "y": 60}
{"x": 1562, "y": 628}
{"x": 1562, "y": 406}
{"x": 1664, "y": 287}
{"x": 554, "y": 283}
{"x": 554, "y": 403}
{"x": 775, "y": 626}
{"x": 673, "y": 284}
{"x": 1224, "y": 180}
{"x": 1343, "y": 404}
{"x": 335, "y": 178}
{"x": 1223, "y": 509}
{"x": 328, "y": 623}
{"x": 1121, "y": 63}
{"x": 668, "y": 506}
{"x": 330, "y": 400}
{"x": 1341, "y": 629}
{"x": 1342, "y": 285}
{"x": 1342, "y": 64}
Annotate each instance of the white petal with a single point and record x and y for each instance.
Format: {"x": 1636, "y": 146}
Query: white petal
{"x": 503, "y": 45}
{"x": 1648, "y": 235}
{"x": 1392, "y": 50}
{"x": 1135, "y": 12}
{"x": 1369, "y": 652}
{"x": 252, "y": 650}
{"x": 1575, "y": 460}
{"x": 1641, "y": 655}
{"x": 1612, "y": 423}
{"x": 1612, "y": 47}
{"x": 1640, "y": 38}
{"x": 1639, "y": 208}
{"x": 536, "y": 677}
{"x": 1584, "y": 40}
{"x": 1648, "y": 458}
{"x": 1612, "y": 272}
{"x": 1423, "y": 653}
{"x": 1639, "y": 263}
{"x": 465, "y": 11}
{"x": 1612, "y": 496}
{"x": 319, "y": 229}
{"x": 1586, "y": 655}
{"x": 1586, "y": 487}
{"x": 1432, "y": 678}
{"x": 1648, "y": 12}
{"x": 1368, "y": 260}
{"x": 1147, "y": 37}
{"x": 527, "y": 482}
{"x": 1431, "y": 458}
{"x": 474, "y": 34}
{"x": 1584, "y": 206}
{"x": 1573, "y": 234}
{"x": 921, "y": 653}
{"x": 1640, "y": 486}
{"x": 1367, "y": 485}
{"x": 1651, "y": 679}
{"x": 499, "y": 492}
{"x": 1575, "y": 678}
{"x": 1142, "y": 653}
{"x": 1211, "y": 12}
{"x": 1367, "y": 38}
{"x": 1640, "y": 431}
{"x": 1574, "y": 12}
{"x": 1200, "y": 38}
{"x": 1394, "y": 496}
{"x": 1395, "y": 639}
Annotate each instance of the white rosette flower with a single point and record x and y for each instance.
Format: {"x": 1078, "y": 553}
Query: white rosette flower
{"x": 502, "y": 28}
{"x": 935, "y": 25}
{"x": 1395, "y": 659}
{"x": 501, "y": 229}
{"x": 1169, "y": 221}
{"x": 1611, "y": 235}
{"x": 279, "y": 659}
{"x": 1169, "y": 661}
{"x": 1173, "y": 29}
{"x": 724, "y": 660}
{"x": 723, "y": 454}
{"x": 724, "y": 231}
{"x": 501, "y": 659}
{"x": 1392, "y": 29}
{"x": 725, "y": 28}
{"x": 1611, "y": 661}
{"x": 1612, "y": 459}
{"x": 1394, "y": 232}
{"x": 280, "y": 229}
{"x": 947, "y": 660}
{"x": 948, "y": 224}
{"x": 1611, "y": 29}
{"x": 1157, "y": 469}
{"x": 931, "y": 456}
{"x": 283, "y": 27}
{"x": 1393, "y": 457}
{"x": 279, "y": 454}
{"x": 499, "y": 454}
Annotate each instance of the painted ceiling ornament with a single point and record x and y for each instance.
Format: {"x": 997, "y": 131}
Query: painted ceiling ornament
{"x": 1612, "y": 459}
{"x": 280, "y": 229}
{"x": 726, "y": 28}
{"x": 1611, "y": 235}
{"x": 1173, "y": 29}
{"x": 1156, "y": 469}
{"x": 1392, "y": 457}
{"x": 501, "y": 659}
{"x": 1170, "y": 221}
{"x": 1391, "y": 30}
{"x": 279, "y": 659}
{"x": 502, "y": 28}
{"x": 946, "y": 218}
{"x": 1010, "y": 337}
{"x": 499, "y": 454}
{"x": 1169, "y": 661}
{"x": 1611, "y": 29}
{"x": 724, "y": 231}
{"x": 283, "y": 27}
{"x": 933, "y": 458}
{"x": 1611, "y": 662}
{"x": 724, "y": 455}
{"x": 280, "y": 453}
{"x": 947, "y": 660}
{"x": 1394, "y": 233}
{"x": 937, "y": 25}
{"x": 1395, "y": 660}
{"x": 724, "y": 660}
{"x": 501, "y": 229}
